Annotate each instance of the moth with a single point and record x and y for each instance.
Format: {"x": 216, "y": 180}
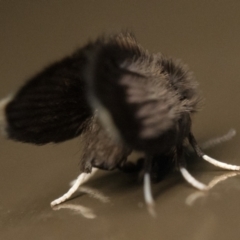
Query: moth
{"x": 121, "y": 99}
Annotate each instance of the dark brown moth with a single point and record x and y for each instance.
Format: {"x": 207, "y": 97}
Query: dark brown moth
{"x": 120, "y": 98}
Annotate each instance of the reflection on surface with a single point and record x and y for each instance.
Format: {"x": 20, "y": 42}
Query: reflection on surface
{"x": 78, "y": 209}
{"x": 190, "y": 200}
{"x": 94, "y": 193}
{"x": 221, "y": 178}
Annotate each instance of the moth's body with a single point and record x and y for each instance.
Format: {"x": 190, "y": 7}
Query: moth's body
{"x": 119, "y": 97}
{"x": 145, "y": 101}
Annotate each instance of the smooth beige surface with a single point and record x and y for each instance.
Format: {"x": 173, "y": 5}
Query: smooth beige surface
{"x": 205, "y": 34}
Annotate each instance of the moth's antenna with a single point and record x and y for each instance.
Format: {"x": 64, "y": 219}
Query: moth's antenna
{"x": 82, "y": 178}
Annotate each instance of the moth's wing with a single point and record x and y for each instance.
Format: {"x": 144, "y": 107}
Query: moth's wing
{"x": 50, "y": 107}
{"x": 132, "y": 93}
{"x": 137, "y": 116}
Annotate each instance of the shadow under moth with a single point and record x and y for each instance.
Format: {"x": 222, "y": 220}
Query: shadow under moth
{"x": 120, "y": 98}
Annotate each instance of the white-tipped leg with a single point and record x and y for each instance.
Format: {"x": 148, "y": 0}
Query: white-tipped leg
{"x": 147, "y": 190}
{"x": 191, "y": 180}
{"x": 148, "y": 194}
{"x": 220, "y": 164}
{"x": 83, "y": 177}
{"x": 213, "y": 161}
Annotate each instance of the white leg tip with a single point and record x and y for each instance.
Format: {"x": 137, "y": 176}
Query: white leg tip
{"x": 82, "y": 178}
{"x": 147, "y": 190}
{"x": 148, "y": 195}
{"x": 221, "y": 164}
{"x": 191, "y": 180}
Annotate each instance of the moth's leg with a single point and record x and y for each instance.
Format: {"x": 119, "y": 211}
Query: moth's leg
{"x": 147, "y": 185}
{"x": 189, "y": 178}
{"x": 82, "y": 178}
{"x": 218, "y": 140}
{"x": 186, "y": 175}
{"x": 213, "y": 161}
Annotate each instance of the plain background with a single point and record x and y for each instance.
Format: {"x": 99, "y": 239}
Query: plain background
{"x": 205, "y": 34}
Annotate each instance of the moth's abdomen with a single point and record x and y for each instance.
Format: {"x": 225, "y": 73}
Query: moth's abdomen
{"x": 51, "y": 107}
